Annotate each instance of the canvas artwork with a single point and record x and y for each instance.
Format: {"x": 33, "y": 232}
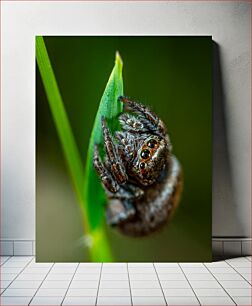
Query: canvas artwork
{"x": 123, "y": 148}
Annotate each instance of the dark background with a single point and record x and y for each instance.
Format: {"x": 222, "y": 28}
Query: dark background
{"x": 173, "y": 75}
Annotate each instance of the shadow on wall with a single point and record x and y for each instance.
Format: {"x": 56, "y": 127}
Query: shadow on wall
{"x": 225, "y": 214}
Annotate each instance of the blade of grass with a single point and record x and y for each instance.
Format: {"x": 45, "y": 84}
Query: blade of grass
{"x": 99, "y": 248}
{"x": 110, "y": 108}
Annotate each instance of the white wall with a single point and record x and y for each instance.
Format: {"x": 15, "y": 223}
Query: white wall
{"x": 227, "y": 22}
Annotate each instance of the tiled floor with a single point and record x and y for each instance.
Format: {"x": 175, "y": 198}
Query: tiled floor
{"x": 24, "y": 282}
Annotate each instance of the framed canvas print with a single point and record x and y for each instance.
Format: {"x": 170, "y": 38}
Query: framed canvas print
{"x": 123, "y": 148}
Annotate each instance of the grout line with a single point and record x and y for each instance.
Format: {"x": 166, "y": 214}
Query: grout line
{"x": 129, "y": 284}
{"x": 41, "y": 282}
{"x": 189, "y": 283}
{"x": 239, "y": 272}
{"x": 247, "y": 258}
{"x": 70, "y": 284}
{"x": 220, "y": 284}
{"x": 160, "y": 283}
{"x": 16, "y": 276}
{"x": 97, "y": 293}
{"x": 9, "y": 257}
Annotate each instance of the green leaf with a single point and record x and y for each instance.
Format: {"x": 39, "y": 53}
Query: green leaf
{"x": 109, "y": 107}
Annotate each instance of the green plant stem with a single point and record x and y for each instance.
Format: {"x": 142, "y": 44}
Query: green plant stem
{"x": 99, "y": 247}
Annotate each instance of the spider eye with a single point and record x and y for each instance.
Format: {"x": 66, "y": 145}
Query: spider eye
{"x": 142, "y": 165}
{"x": 145, "y": 154}
{"x": 151, "y": 144}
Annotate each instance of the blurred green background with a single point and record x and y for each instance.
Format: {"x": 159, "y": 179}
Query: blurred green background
{"x": 173, "y": 75}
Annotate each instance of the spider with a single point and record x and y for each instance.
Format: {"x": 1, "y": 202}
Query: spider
{"x": 141, "y": 177}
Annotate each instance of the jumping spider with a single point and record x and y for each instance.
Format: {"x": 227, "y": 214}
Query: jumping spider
{"x": 141, "y": 177}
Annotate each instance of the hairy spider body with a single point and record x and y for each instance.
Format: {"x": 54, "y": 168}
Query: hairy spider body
{"x": 141, "y": 177}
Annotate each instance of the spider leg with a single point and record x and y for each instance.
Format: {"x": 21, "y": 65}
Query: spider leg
{"x": 116, "y": 164}
{"x": 119, "y": 211}
{"x": 158, "y": 125}
{"x": 108, "y": 181}
{"x": 120, "y": 207}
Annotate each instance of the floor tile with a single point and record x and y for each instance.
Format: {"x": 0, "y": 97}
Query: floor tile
{"x": 102, "y": 300}
{"x": 60, "y": 270}
{"x": 141, "y": 270}
{"x": 58, "y": 277}
{"x": 47, "y": 300}
{"x": 114, "y": 284}
{"x": 40, "y": 265}
{"x": 178, "y": 292}
{"x": 157, "y": 300}
{"x": 88, "y": 270}
{"x": 79, "y": 301}
{"x": 216, "y": 264}
{"x": 84, "y": 284}
{"x": 85, "y": 276}
{"x": 66, "y": 265}
{"x": 10, "y": 270}
{"x": 21, "y": 258}
{"x": 241, "y": 264}
{"x": 82, "y": 292}
{"x": 118, "y": 277}
{"x": 200, "y": 276}
{"x": 14, "y": 264}
{"x": 180, "y": 300}
{"x": 29, "y": 270}
{"x": 14, "y": 300}
{"x": 248, "y": 277}
{"x": 228, "y": 276}
{"x": 114, "y": 292}
{"x": 172, "y": 276}
{"x": 8, "y": 276}
{"x": 175, "y": 284}
{"x": 30, "y": 276}
{"x": 204, "y": 284}
{"x": 234, "y": 284}
{"x": 19, "y": 292}
{"x": 239, "y": 291}
{"x": 48, "y": 284}
{"x": 165, "y": 270}
{"x": 5, "y": 283}
{"x": 3, "y": 259}
{"x": 243, "y": 300}
{"x": 25, "y": 284}
{"x": 146, "y": 292}
{"x": 210, "y": 292}
{"x": 220, "y": 300}
{"x": 242, "y": 270}
{"x": 220, "y": 270}
{"x": 236, "y": 259}
{"x": 115, "y": 269}
{"x": 51, "y": 292}
{"x": 197, "y": 270}
{"x": 144, "y": 284}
